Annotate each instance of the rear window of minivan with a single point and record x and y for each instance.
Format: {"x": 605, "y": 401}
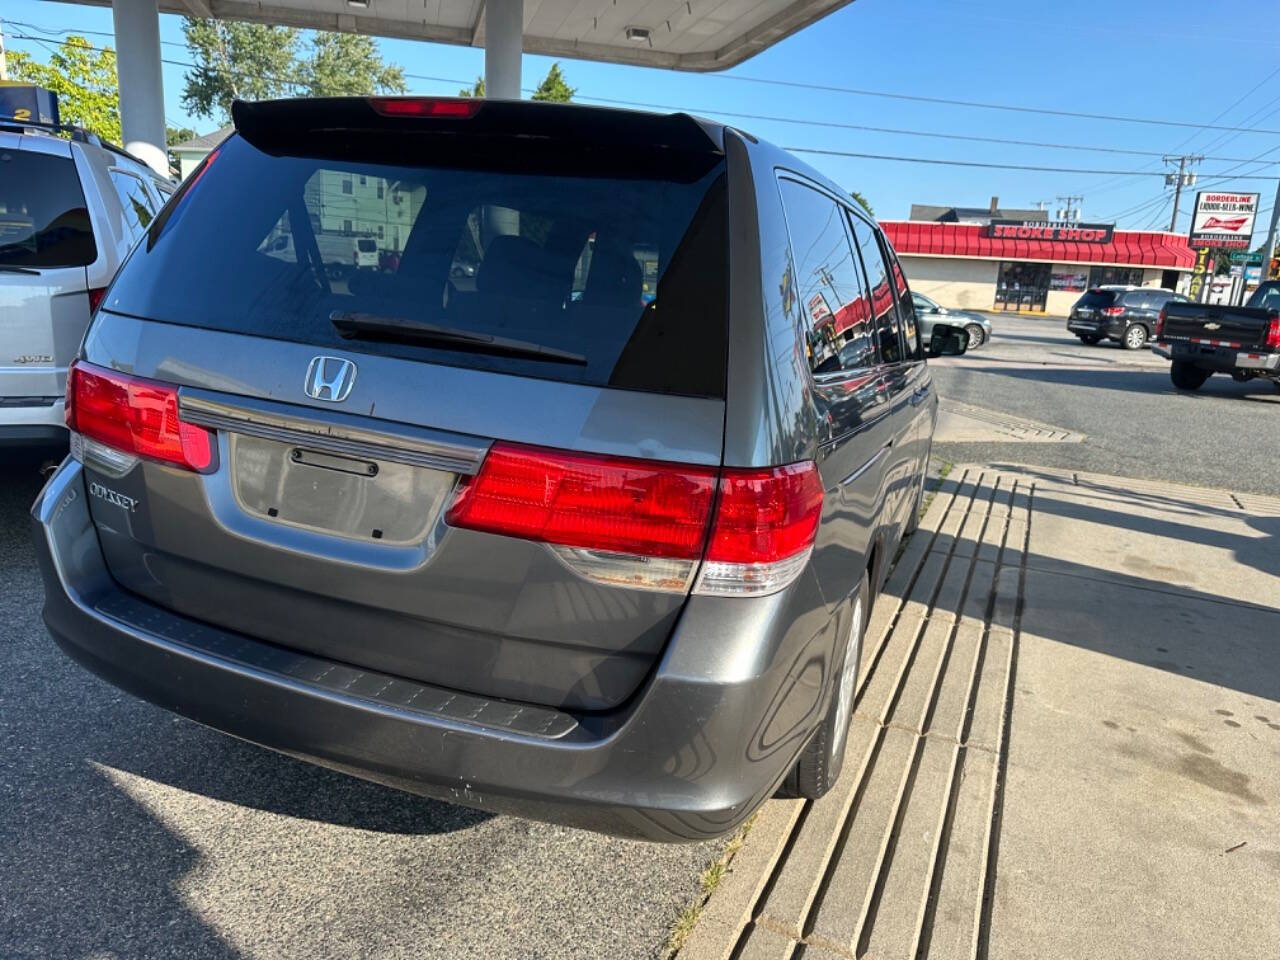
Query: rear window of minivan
{"x": 44, "y": 220}
{"x": 622, "y": 278}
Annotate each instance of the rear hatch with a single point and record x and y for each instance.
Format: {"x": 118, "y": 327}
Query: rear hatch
{"x": 1090, "y": 307}
{"x": 1237, "y": 327}
{"x": 45, "y": 243}
{"x": 545, "y": 293}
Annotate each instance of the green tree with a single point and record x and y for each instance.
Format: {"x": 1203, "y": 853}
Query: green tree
{"x": 175, "y": 135}
{"x": 347, "y": 64}
{"x": 553, "y": 87}
{"x": 862, "y": 200}
{"x": 83, "y": 77}
{"x": 247, "y": 61}
{"x": 251, "y": 61}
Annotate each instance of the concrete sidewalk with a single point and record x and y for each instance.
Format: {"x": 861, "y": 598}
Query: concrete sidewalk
{"x": 1066, "y": 741}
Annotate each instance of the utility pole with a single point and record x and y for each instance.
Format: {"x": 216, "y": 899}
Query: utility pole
{"x": 1269, "y": 249}
{"x": 1071, "y": 207}
{"x": 4, "y": 67}
{"x": 1179, "y": 180}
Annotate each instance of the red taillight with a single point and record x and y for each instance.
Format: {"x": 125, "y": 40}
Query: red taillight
{"x": 1273, "y": 332}
{"x": 134, "y": 416}
{"x": 95, "y": 297}
{"x": 444, "y": 108}
{"x": 766, "y": 515}
{"x": 621, "y": 505}
{"x": 1112, "y": 311}
{"x": 1164, "y": 315}
{"x": 756, "y": 541}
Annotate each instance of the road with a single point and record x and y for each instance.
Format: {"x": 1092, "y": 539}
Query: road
{"x": 127, "y": 832}
{"x": 1136, "y": 425}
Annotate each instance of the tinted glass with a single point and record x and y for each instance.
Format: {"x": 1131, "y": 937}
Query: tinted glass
{"x": 883, "y": 293}
{"x": 137, "y": 203}
{"x": 906, "y": 306}
{"x": 44, "y": 221}
{"x": 627, "y": 273}
{"x": 838, "y": 334}
{"x": 1097, "y": 299}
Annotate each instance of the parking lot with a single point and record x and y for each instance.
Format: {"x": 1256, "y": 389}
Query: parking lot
{"x": 128, "y": 832}
{"x": 1135, "y": 424}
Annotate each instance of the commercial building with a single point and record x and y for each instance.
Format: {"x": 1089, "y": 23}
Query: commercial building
{"x": 997, "y": 259}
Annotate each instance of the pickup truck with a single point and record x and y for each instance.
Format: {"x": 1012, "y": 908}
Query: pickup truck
{"x": 1203, "y": 339}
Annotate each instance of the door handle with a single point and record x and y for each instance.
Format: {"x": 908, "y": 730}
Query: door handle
{"x": 919, "y": 396}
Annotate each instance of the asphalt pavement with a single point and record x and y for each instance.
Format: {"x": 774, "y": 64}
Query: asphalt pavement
{"x": 126, "y": 832}
{"x": 1135, "y": 423}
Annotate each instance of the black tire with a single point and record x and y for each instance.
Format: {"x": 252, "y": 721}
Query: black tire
{"x": 1089, "y": 340}
{"x": 1135, "y": 337}
{"x": 977, "y": 336}
{"x": 1187, "y": 376}
{"x": 819, "y": 764}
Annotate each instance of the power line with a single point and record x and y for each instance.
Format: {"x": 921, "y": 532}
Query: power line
{"x": 994, "y": 166}
{"x": 942, "y": 101}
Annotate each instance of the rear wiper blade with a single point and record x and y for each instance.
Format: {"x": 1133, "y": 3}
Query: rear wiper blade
{"x": 14, "y": 268}
{"x": 373, "y": 326}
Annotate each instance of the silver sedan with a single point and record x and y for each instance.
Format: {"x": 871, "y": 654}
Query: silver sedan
{"x": 976, "y": 325}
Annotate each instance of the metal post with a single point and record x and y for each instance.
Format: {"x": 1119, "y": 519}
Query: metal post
{"x": 1268, "y": 249}
{"x": 503, "y": 39}
{"x": 4, "y": 67}
{"x": 137, "y": 35}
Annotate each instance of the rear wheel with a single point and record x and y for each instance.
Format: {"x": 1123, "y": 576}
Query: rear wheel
{"x": 1089, "y": 340}
{"x": 977, "y": 336}
{"x": 819, "y": 764}
{"x": 1187, "y": 376}
{"x": 1135, "y": 338}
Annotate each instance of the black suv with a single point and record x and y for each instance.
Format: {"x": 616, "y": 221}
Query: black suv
{"x": 1126, "y": 315}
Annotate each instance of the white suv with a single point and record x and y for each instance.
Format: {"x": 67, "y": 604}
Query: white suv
{"x": 70, "y": 211}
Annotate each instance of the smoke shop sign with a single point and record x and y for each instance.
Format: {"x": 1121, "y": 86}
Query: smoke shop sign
{"x": 1051, "y": 230}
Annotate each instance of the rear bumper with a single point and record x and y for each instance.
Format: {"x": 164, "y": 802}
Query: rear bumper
{"x": 703, "y": 743}
{"x": 1220, "y": 359}
{"x": 32, "y": 422}
{"x": 1097, "y": 328}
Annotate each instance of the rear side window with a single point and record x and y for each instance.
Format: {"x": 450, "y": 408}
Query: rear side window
{"x": 883, "y": 294}
{"x": 838, "y": 332}
{"x": 44, "y": 221}
{"x": 622, "y": 279}
{"x": 137, "y": 203}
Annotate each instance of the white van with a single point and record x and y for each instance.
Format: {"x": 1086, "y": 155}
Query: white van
{"x": 70, "y": 211}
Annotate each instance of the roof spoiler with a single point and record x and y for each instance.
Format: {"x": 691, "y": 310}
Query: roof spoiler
{"x": 277, "y": 126}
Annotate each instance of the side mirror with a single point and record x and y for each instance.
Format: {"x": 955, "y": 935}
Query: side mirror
{"x": 935, "y": 310}
{"x": 947, "y": 340}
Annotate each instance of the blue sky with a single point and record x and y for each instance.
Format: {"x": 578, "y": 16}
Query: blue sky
{"x": 1141, "y": 58}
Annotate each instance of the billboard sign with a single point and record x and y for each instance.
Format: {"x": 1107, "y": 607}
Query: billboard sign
{"x": 1223, "y": 220}
{"x": 1061, "y": 230}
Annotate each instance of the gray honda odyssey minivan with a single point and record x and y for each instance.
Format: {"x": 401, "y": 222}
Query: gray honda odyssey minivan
{"x": 574, "y": 507}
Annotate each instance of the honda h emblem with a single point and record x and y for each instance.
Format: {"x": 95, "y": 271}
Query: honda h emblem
{"x": 330, "y": 378}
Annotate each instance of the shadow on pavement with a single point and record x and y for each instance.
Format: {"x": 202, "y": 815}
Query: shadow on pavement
{"x": 87, "y": 869}
{"x": 1195, "y": 633}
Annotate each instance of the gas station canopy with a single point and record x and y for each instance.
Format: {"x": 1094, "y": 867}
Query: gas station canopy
{"x": 696, "y": 35}
{"x": 670, "y": 34}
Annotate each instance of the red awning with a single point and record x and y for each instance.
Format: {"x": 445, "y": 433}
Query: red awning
{"x": 1139, "y": 248}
